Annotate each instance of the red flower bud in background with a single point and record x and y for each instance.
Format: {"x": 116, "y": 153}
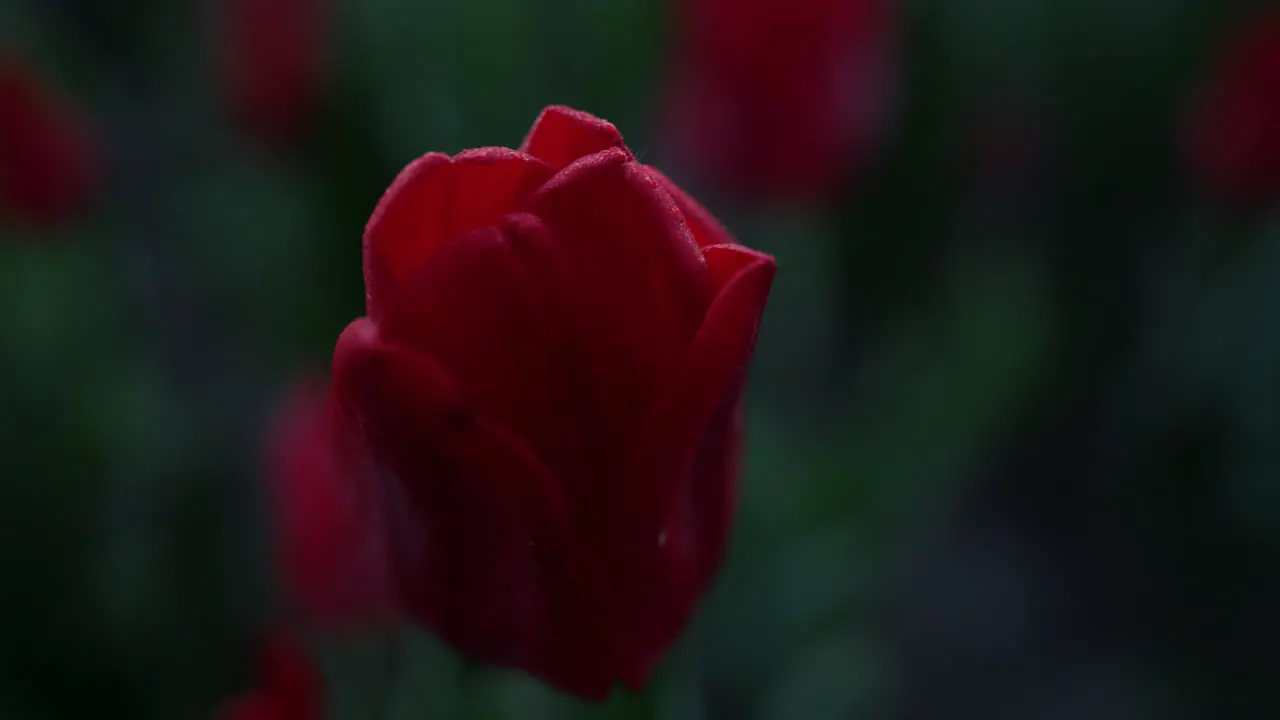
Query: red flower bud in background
{"x": 289, "y": 687}
{"x": 1234, "y": 139}
{"x": 331, "y": 554}
{"x": 779, "y": 99}
{"x": 273, "y": 55}
{"x": 549, "y": 376}
{"x": 50, "y": 159}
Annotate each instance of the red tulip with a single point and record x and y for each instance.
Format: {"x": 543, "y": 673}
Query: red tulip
{"x": 50, "y": 160}
{"x": 1234, "y": 143}
{"x": 273, "y": 55}
{"x": 289, "y": 689}
{"x": 779, "y": 99}
{"x": 331, "y": 556}
{"x": 550, "y": 375}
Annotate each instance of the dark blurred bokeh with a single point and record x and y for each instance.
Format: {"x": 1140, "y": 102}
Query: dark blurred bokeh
{"x": 1015, "y": 438}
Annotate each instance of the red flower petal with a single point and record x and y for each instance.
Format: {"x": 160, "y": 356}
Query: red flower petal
{"x": 562, "y": 135}
{"x": 407, "y": 224}
{"x": 726, "y": 262}
{"x": 670, "y": 524}
{"x": 491, "y": 182}
{"x": 434, "y": 199}
{"x": 641, "y": 286}
{"x": 706, "y": 229}
{"x": 563, "y": 428}
{"x": 477, "y": 310}
{"x": 744, "y": 278}
{"x": 482, "y": 517}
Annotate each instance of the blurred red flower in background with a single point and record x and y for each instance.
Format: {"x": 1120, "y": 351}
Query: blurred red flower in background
{"x": 289, "y": 686}
{"x": 1234, "y": 139}
{"x": 50, "y": 157}
{"x": 550, "y": 373}
{"x": 331, "y": 555}
{"x": 779, "y": 99}
{"x": 272, "y": 56}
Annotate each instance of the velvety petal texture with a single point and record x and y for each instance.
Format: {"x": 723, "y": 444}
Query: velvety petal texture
{"x": 778, "y": 99}
{"x": 1233, "y": 143}
{"x": 50, "y": 157}
{"x": 330, "y": 546}
{"x": 549, "y": 382}
{"x": 289, "y": 686}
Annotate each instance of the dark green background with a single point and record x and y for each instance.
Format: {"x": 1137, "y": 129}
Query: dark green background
{"x": 1015, "y": 439}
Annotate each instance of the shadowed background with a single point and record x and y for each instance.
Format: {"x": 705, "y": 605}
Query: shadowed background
{"x": 1015, "y": 413}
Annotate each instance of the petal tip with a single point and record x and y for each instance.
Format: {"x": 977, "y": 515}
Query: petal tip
{"x": 562, "y": 135}
{"x": 409, "y": 174}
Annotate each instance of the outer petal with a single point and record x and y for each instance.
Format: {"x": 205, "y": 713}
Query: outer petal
{"x": 478, "y": 311}
{"x": 706, "y": 229}
{"x": 672, "y": 508}
{"x": 434, "y": 199}
{"x": 562, "y": 431}
{"x": 562, "y": 135}
{"x": 480, "y": 521}
{"x": 717, "y": 364}
{"x": 641, "y": 286}
{"x": 491, "y": 182}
